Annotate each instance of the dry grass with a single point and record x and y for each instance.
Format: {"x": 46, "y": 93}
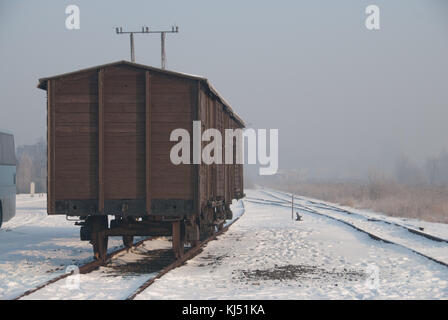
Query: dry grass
{"x": 425, "y": 202}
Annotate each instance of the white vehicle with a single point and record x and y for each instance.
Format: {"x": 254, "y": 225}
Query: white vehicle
{"x": 7, "y": 176}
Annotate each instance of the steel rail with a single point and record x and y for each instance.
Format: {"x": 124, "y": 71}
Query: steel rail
{"x": 83, "y": 269}
{"x": 187, "y": 256}
{"x": 370, "y": 234}
{"x": 326, "y": 206}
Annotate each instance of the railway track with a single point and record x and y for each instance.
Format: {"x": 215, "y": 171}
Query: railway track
{"x": 94, "y": 265}
{"x": 326, "y": 206}
{"x": 83, "y": 269}
{"x": 187, "y": 256}
{"x": 374, "y": 235}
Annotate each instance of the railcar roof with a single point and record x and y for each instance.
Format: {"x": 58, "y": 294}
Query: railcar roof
{"x": 43, "y": 81}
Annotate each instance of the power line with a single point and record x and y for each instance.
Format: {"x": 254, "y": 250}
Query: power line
{"x": 174, "y": 29}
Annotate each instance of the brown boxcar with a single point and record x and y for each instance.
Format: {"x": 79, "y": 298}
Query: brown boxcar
{"x": 109, "y": 148}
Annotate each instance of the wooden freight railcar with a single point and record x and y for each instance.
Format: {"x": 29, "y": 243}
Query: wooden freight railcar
{"x": 109, "y": 149}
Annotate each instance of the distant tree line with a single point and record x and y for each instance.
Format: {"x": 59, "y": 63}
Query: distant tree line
{"x": 31, "y": 161}
{"x": 437, "y": 169}
{"x": 408, "y": 190}
{"x": 434, "y": 172}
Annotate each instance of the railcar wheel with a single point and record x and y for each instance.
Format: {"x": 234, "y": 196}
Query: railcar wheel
{"x": 206, "y": 231}
{"x": 100, "y": 247}
{"x": 178, "y": 232}
{"x": 206, "y": 227}
{"x": 99, "y": 224}
{"x": 128, "y": 241}
{"x": 229, "y": 213}
{"x": 194, "y": 243}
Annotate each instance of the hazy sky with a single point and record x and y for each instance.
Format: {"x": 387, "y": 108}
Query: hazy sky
{"x": 343, "y": 98}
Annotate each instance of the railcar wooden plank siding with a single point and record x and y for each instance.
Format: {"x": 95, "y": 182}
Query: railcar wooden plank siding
{"x": 109, "y": 149}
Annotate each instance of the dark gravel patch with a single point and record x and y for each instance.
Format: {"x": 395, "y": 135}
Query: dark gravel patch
{"x": 301, "y": 272}
{"x": 151, "y": 261}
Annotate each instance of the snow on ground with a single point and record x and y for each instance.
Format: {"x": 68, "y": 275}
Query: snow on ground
{"x": 377, "y": 225}
{"x": 437, "y": 229}
{"x": 115, "y": 281}
{"x": 266, "y": 255}
{"x": 35, "y": 247}
{"x": 121, "y": 277}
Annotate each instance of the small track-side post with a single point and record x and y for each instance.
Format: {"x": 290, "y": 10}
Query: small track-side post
{"x": 292, "y": 207}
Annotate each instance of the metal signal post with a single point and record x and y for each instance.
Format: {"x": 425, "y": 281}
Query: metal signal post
{"x": 174, "y": 29}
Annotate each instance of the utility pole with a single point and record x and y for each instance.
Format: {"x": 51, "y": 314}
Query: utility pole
{"x": 131, "y": 36}
{"x": 174, "y": 29}
{"x": 162, "y": 47}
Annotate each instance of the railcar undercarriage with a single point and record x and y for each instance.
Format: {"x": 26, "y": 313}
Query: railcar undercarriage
{"x": 192, "y": 229}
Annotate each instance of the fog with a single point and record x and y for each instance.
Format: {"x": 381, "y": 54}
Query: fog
{"x": 344, "y": 99}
